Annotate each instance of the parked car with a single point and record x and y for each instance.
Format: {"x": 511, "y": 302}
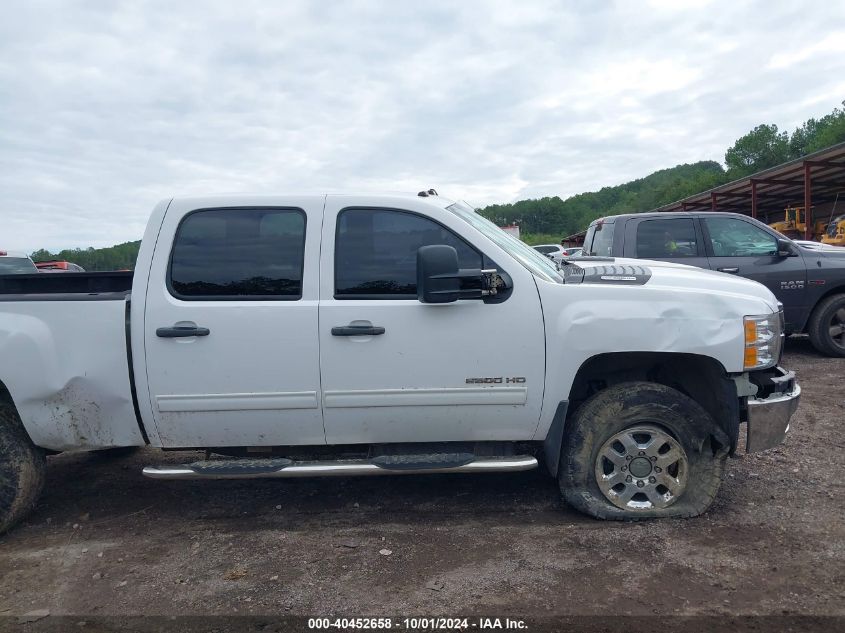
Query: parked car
{"x": 552, "y": 251}
{"x": 810, "y": 282}
{"x": 573, "y": 252}
{"x": 293, "y": 336}
{"x": 59, "y": 267}
{"x": 12, "y": 263}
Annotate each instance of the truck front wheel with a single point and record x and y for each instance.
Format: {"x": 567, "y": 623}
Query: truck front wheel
{"x": 641, "y": 450}
{"x": 22, "y": 469}
{"x": 827, "y": 326}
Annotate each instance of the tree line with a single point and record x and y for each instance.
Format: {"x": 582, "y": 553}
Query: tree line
{"x": 550, "y": 218}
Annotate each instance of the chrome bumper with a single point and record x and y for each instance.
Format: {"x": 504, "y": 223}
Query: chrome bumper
{"x": 768, "y": 418}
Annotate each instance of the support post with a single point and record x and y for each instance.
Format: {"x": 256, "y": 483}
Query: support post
{"x": 808, "y": 201}
{"x": 712, "y": 201}
{"x": 753, "y": 198}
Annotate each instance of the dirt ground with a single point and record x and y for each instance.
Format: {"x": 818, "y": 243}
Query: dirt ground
{"x": 105, "y": 541}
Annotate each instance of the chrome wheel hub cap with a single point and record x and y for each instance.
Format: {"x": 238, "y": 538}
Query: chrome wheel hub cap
{"x": 642, "y": 468}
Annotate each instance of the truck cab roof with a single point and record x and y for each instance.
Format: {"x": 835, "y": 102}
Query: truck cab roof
{"x": 610, "y": 219}
{"x": 245, "y": 199}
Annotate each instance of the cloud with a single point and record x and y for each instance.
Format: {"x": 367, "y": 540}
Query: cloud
{"x": 105, "y": 109}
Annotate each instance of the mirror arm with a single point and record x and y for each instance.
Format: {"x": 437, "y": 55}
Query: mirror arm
{"x": 490, "y": 282}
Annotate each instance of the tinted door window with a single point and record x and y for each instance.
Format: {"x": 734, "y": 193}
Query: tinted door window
{"x": 730, "y": 237}
{"x": 239, "y": 254}
{"x": 661, "y": 239}
{"x": 376, "y": 252}
{"x": 546, "y": 249}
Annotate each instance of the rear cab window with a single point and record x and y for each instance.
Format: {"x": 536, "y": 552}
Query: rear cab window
{"x": 16, "y": 265}
{"x": 667, "y": 238}
{"x": 246, "y": 254}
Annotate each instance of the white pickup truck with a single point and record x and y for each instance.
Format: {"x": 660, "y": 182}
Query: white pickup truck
{"x": 293, "y": 336}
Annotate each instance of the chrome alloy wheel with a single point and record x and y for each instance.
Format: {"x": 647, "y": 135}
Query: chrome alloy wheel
{"x": 642, "y": 468}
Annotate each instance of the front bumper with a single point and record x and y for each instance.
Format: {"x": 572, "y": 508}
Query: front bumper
{"x": 768, "y": 416}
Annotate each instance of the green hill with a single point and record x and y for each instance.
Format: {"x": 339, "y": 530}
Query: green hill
{"x": 549, "y": 219}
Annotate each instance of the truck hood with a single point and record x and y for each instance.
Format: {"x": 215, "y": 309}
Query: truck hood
{"x": 644, "y": 272}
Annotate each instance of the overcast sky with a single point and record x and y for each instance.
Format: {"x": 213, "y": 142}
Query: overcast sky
{"x": 107, "y": 108}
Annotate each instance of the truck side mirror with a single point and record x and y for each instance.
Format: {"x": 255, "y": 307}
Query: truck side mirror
{"x": 439, "y": 278}
{"x": 437, "y": 274}
{"x": 785, "y": 248}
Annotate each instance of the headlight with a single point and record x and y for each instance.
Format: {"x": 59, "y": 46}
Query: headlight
{"x": 763, "y": 340}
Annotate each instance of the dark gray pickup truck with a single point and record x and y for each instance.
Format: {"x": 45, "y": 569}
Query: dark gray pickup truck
{"x": 810, "y": 283}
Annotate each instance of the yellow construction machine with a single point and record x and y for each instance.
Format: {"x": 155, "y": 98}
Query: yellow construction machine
{"x": 795, "y": 223}
{"x": 835, "y": 233}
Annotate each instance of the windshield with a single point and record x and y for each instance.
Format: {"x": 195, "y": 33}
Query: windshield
{"x": 16, "y": 265}
{"x": 535, "y": 262}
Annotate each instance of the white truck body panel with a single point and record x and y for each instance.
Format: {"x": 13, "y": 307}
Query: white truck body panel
{"x": 64, "y": 364}
{"x": 655, "y": 317}
{"x": 411, "y": 384}
{"x": 255, "y": 380}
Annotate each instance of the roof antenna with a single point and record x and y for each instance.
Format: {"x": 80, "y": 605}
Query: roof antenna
{"x": 426, "y": 194}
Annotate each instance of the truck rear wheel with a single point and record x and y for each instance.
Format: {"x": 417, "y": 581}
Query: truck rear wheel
{"x": 827, "y": 326}
{"x": 22, "y": 469}
{"x": 641, "y": 450}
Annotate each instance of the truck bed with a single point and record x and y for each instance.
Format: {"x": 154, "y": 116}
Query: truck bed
{"x": 114, "y": 285}
{"x": 65, "y": 356}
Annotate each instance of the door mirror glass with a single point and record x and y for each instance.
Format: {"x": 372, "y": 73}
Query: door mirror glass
{"x": 437, "y": 274}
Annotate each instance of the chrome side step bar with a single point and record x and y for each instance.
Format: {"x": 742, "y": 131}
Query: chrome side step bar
{"x": 266, "y": 468}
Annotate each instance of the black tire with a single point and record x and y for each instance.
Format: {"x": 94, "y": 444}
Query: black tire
{"x": 824, "y": 317}
{"x": 22, "y": 469}
{"x": 632, "y": 405}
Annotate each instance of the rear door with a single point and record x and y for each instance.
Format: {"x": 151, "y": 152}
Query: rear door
{"x": 670, "y": 239}
{"x": 740, "y": 247}
{"x": 230, "y": 328}
{"x": 463, "y": 371}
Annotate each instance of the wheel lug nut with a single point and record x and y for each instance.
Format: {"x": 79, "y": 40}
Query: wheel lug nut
{"x": 629, "y": 479}
{"x": 651, "y": 480}
{"x": 624, "y": 468}
{"x": 653, "y": 458}
{"x": 658, "y": 470}
{"x": 642, "y": 453}
{"x": 640, "y": 483}
{"x": 628, "y": 457}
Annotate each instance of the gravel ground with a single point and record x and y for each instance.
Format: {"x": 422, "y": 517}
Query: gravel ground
{"x": 106, "y": 542}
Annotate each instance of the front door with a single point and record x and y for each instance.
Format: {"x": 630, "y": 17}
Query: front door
{"x": 230, "y": 326}
{"x": 464, "y": 371}
{"x": 739, "y": 247}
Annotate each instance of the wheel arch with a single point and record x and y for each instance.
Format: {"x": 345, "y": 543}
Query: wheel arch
{"x": 6, "y": 398}
{"x": 836, "y": 290}
{"x": 702, "y": 378}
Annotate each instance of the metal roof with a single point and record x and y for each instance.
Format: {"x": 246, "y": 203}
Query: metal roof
{"x": 815, "y": 179}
